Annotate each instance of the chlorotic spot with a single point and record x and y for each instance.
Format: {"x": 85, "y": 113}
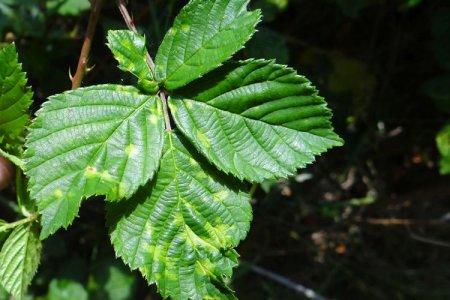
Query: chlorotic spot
{"x": 203, "y": 139}
{"x": 90, "y": 172}
{"x": 58, "y": 194}
{"x": 153, "y": 119}
{"x": 131, "y": 150}
{"x": 185, "y": 27}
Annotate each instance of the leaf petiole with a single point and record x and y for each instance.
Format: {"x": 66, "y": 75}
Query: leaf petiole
{"x": 9, "y": 226}
{"x": 14, "y": 159}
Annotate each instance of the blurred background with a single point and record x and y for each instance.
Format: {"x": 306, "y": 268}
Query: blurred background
{"x": 370, "y": 220}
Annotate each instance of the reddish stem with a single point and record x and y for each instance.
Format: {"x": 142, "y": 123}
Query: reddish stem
{"x": 77, "y": 79}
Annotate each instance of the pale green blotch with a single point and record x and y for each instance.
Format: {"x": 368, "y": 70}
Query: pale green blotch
{"x": 153, "y": 119}
{"x": 221, "y": 195}
{"x": 193, "y": 162}
{"x": 122, "y": 190}
{"x": 91, "y": 172}
{"x": 58, "y": 194}
{"x": 106, "y": 176}
{"x": 202, "y": 175}
{"x": 203, "y": 139}
{"x": 185, "y": 27}
{"x": 131, "y": 150}
{"x": 172, "y": 31}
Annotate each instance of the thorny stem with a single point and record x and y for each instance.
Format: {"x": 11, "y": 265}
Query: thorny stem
{"x": 77, "y": 79}
{"x": 162, "y": 94}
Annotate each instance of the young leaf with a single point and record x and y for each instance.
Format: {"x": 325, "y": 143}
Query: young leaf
{"x": 255, "y": 119}
{"x": 205, "y": 34}
{"x": 180, "y": 230}
{"x": 130, "y": 51}
{"x": 15, "y": 96}
{"x": 443, "y": 144}
{"x": 100, "y": 140}
{"x": 19, "y": 259}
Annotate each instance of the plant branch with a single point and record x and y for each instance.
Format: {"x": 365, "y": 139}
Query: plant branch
{"x": 299, "y": 288}
{"x": 130, "y": 24}
{"x": 29, "y": 219}
{"x": 77, "y": 79}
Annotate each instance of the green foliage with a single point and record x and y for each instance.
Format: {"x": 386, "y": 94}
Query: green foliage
{"x": 443, "y": 144}
{"x": 15, "y": 96}
{"x": 172, "y": 215}
{"x": 130, "y": 51}
{"x": 110, "y": 280}
{"x": 204, "y": 35}
{"x": 68, "y": 7}
{"x": 65, "y": 289}
{"x": 179, "y": 231}
{"x": 244, "y": 115}
{"x": 21, "y": 16}
{"x": 101, "y": 140}
{"x": 19, "y": 259}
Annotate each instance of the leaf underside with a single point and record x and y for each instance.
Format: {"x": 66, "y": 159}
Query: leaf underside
{"x": 19, "y": 259}
{"x": 255, "y": 119}
{"x": 101, "y": 140}
{"x": 204, "y": 35}
{"x": 15, "y": 96}
{"x": 180, "y": 230}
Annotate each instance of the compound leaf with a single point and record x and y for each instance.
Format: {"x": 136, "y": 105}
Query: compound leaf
{"x": 101, "y": 140}
{"x": 180, "y": 231}
{"x": 255, "y": 119}
{"x": 15, "y": 96}
{"x": 19, "y": 259}
{"x": 130, "y": 51}
{"x": 205, "y": 34}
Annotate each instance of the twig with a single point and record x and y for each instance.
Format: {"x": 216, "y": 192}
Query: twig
{"x": 29, "y": 219}
{"x": 130, "y": 24}
{"x": 299, "y": 288}
{"x": 401, "y": 222}
{"x": 86, "y": 49}
{"x": 427, "y": 240}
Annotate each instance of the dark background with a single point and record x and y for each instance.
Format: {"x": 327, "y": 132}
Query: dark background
{"x": 367, "y": 221}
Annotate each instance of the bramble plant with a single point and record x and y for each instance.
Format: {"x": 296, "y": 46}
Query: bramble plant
{"x": 170, "y": 154}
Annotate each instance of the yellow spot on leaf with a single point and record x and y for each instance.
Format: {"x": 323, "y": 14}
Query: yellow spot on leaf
{"x": 185, "y": 27}
{"x": 221, "y": 195}
{"x": 153, "y": 119}
{"x": 193, "y": 162}
{"x": 90, "y": 172}
{"x": 203, "y": 139}
{"x": 131, "y": 150}
{"x": 58, "y": 194}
